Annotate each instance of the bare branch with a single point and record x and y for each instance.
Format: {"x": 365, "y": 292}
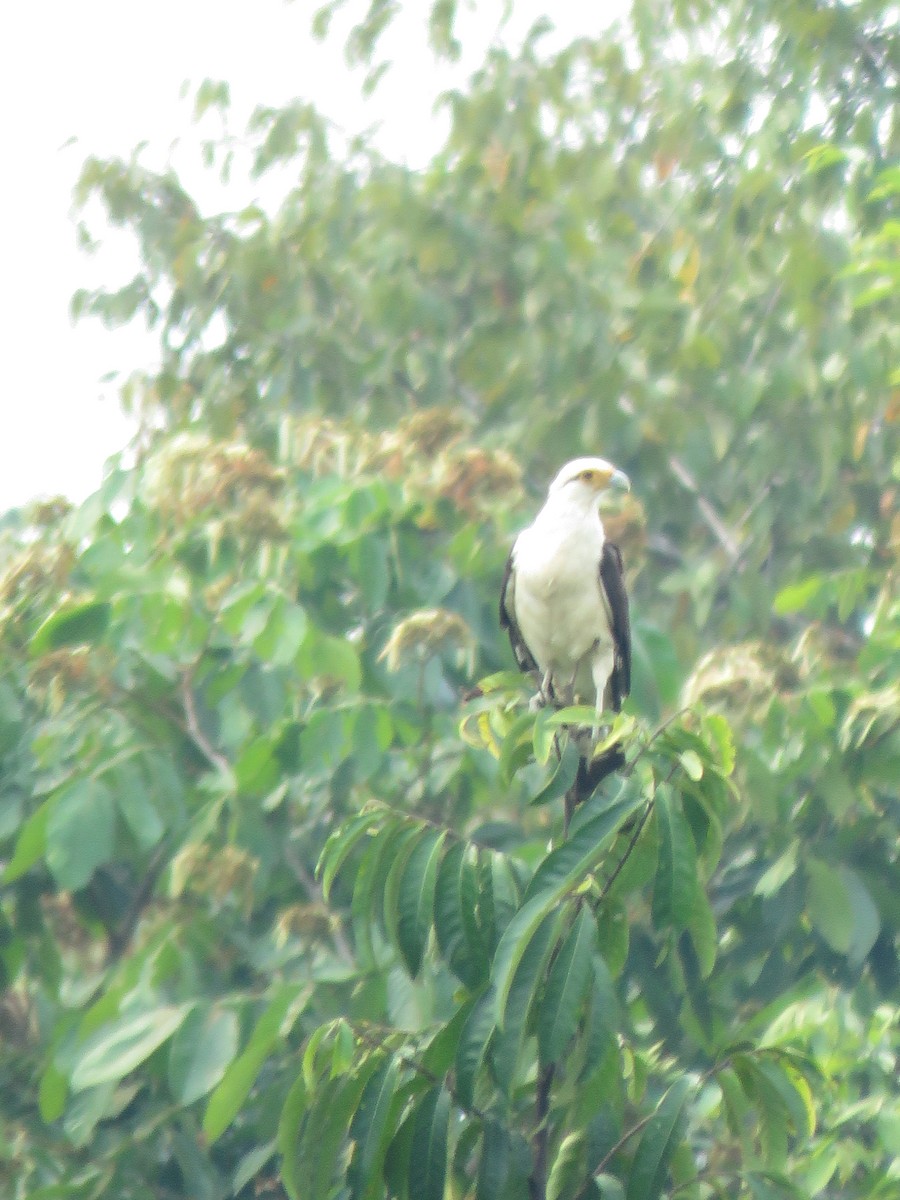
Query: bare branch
{"x": 196, "y": 734}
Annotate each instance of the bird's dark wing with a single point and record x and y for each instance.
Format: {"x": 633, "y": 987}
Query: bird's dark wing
{"x": 612, "y": 581}
{"x": 524, "y": 657}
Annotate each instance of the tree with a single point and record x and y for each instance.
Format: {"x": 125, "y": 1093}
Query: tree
{"x": 281, "y": 910}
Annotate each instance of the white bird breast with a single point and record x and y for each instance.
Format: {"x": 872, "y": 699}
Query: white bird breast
{"x": 559, "y": 606}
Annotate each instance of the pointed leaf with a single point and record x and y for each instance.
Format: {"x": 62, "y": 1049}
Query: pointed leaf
{"x": 371, "y": 1130}
{"x": 528, "y": 977}
{"x": 567, "y": 987}
{"x": 569, "y": 1168}
{"x": 80, "y": 832}
{"x": 659, "y": 1140}
{"x": 341, "y": 844}
{"x": 320, "y": 1150}
{"x": 563, "y": 869}
{"x": 428, "y": 1164}
{"x": 568, "y": 865}
{"x": 30, "y": 844}
{"x": 201, "y": 1051}
{"x": 493, "y": 1166}
{"x": 292, "y": 1113}
{"x": 415, "y": 898}
{"x": 473, "y": 1044}
{"x": 225, "y": 1102}
{"x": 404, "y": 847}
{"x": 72, "y": 625}
{"x": 117, "y": 1048}
{"x": 603, "y": 1018}
{"x": 455, "y": 915}
{"x": 367, "y": 904}
{"x": 675, "y": 888}
{"x": 561, "y": 779}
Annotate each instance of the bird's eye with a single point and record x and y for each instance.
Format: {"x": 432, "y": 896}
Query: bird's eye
{"x": 587, "y": 476}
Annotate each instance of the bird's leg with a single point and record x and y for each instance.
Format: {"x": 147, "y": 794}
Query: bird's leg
{"x": 544, "y": 694}
{"x": 601, "y": 669}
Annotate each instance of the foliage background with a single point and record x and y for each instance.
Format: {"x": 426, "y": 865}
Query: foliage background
{"x": 676, "y": 246}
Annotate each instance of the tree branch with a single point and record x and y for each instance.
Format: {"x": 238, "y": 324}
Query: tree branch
{"x": 626, "y": 1137}
{"x": 713, "y": 521}
{"x": 194, "y": 731}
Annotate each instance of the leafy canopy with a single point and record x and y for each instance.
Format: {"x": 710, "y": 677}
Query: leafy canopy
{"x": 281, "y": 911}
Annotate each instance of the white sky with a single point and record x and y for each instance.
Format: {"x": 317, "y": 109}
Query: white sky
{"x": 108, "y": 73}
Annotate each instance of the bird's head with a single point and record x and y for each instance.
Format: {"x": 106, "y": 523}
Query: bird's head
{"x": 582, "y": 480}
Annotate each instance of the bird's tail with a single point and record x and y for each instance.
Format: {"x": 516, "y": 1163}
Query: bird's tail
{"x": 592, "y": 772}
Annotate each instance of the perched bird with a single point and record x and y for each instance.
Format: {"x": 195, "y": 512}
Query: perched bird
{"x": 564, "y": 605}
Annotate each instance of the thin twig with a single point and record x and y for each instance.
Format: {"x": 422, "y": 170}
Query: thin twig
{"x": 626, "y": 1137}
{"x": 120, "y": 937}
{"x": 196, "y": 734}
{"x": 657, "y": 733}
{"x": 469, "y": 1109}
{"x": 315, "y": 893}
{"x": 648, "y": 808}
{"x": 713, "y": 521}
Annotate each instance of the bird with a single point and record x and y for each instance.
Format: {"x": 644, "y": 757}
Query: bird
{"x": 564, "y": 606}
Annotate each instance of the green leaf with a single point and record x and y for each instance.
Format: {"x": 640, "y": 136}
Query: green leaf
{"x": 866, "y": 921}
{"x": 413, "y": 836}
{"x": 52, "y": 1094}
{"x": 136, "y": 805}
{"x": 569, "y": 864}
{"x": 72, "y": 625}
{"x": 561, "y": 779}
{"x": 664, "y": 1131}
{"x": 493, "y": 1164}
{"x": 473, "y": 1043}
{"x": 704, "y": 933}
{"x": 841, "y": 909}
{"x": 513, "y": 946}
{"x": 601, "y": 1026}
{"x": 340, "y": 846}
{"x": 562, "y": 870}
{"x": 120, "y": 1046}
{"x": 80, "y": 832}
{"x": 293, "y": 1174}
{"x": 792, "y": 1092}
{"x": 415, "y": 898}
{"x": 798, "y": 596}
{"x": 675, "y": 887}
{"x": 371, "y": 1131}
{"x": 226, "y": 1101}
{"x": 428, "y": 1164}
{"x": 31, "y": 843}
{"x": 528, "y": 977}
{"x": 283, "y": 635}
{"x": 543, "y": 736}
{"x": 455, "y": 902}
{"x": 323, "y": 740}
{"x": 367, "y": 905}
{"x": 722, "y": 737}
{"x": 516, "y": 748}
{"x": 318, "y": 1155}
{"x": 569, "y": 1168}
{"x": 576, "y": 714}
{"x": 692, "y": 764}
{"x": 330, "y": 659}
{"x": 201, "y": 1051}
{"x": 567, "y": 986}
{"x": 829, "y": 905}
